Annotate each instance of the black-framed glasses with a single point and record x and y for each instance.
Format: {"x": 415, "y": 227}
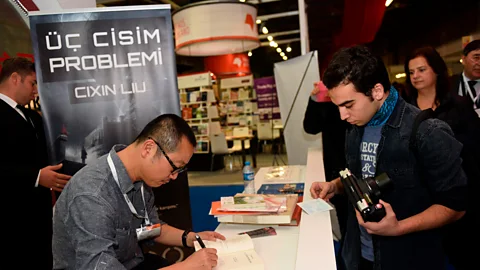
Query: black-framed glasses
{"x": 175, "y": 168}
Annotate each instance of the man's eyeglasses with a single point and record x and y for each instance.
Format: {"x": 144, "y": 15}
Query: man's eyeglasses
{"x": 175, "y": 168}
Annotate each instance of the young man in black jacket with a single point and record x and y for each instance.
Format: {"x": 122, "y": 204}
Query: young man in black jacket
{"x": 429, "y": 183}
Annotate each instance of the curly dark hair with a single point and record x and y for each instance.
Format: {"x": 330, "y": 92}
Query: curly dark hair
{"x": 356, "y": 65}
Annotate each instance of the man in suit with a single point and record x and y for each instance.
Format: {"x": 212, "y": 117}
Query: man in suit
{"x": 23, "y": 168}
{"x": 467, "y": 84}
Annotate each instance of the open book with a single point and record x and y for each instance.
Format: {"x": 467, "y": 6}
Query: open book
{"x": 235, "y": 253}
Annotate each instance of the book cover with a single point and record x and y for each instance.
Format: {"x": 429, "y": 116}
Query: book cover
{"x": 226, "y": 95}
{"x": 195, "y": 130}
{"x": 290, "y": 188}
{"x": 233, "y": 95}
{"x": 243, "y": 94}
{"x": 264, "y": 218}
{"x": 267, "y": 231}
{"x": 204, "y": 96}
{"x": 297, "y": 214}
{"x": 185, "y": 113}
{"x": 253, "y": 203}
{"x": 183, "y": 97}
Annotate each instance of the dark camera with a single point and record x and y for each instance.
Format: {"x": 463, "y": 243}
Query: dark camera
{"x": 365, "y": 194}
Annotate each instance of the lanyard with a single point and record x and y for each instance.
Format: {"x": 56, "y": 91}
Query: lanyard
{"x": 129, "y": 203}
{"x": 466, "y": 88}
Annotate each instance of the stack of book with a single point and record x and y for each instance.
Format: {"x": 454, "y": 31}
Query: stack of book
{"x": 275, "y": 209}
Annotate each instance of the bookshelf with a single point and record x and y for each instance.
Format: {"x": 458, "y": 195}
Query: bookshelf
{"x": 198, "y": 107}
{"x": 237, "y": 104}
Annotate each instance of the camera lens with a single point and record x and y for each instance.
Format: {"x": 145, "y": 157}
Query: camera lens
{"x": 379, "y": 184}
{"x": 383, "y": 181}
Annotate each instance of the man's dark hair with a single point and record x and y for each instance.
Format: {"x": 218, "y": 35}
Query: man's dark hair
{"x": 167, "y": 130}
{"x": 21, "y": 65}
{"x": 472, "y": 46}
{"x": 356, "y": 65}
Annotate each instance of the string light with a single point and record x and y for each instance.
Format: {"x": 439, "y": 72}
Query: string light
{"x": 250, "y": 53}
{"x": 279, "y": 50}
{"x": 289, "y": 49}
{"x": 264, "y": 30}
{"x": 400, "y": 75}
{"x": 270, "y": 38}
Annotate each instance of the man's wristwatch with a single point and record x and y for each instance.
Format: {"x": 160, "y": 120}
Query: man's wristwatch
{"x": 184, "y": 237}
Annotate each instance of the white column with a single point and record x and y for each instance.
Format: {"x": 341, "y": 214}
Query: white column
{"x": 302, "y": 16}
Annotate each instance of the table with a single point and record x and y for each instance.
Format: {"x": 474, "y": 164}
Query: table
{"x": 295, "y": 247}
{"x": 243, "y": 138}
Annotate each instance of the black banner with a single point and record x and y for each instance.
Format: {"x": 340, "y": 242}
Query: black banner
{"x": 103, "y": 74}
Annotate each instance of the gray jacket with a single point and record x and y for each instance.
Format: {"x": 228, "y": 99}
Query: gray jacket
{"x": 93, "y": 227}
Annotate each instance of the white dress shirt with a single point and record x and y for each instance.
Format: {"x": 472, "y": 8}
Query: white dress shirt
{"x": 14, "y": 104}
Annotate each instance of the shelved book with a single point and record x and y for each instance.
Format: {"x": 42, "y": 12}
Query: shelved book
{"x": 202, "y": 146}
{"x": 186, "y": 113}
{"x": 237, "y": 252}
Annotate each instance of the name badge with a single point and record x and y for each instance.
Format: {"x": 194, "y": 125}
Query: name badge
{"x": 148, "y": 232}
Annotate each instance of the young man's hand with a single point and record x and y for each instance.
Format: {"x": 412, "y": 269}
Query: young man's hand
{"x": 388, "y": 226}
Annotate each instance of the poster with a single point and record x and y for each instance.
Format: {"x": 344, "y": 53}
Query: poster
{"x": 267, "y": 100}
{"x": 294, "y": 79}
{"x": 103, "y": 74}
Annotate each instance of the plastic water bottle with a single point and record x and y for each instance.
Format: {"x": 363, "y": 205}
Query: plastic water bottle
{"x": 248, "y": 178}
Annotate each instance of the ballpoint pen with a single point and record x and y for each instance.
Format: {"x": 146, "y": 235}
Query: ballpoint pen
{"x": 199, "y": 240}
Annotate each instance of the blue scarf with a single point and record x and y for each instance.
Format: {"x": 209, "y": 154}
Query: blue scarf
{"x": 386, "y": 110}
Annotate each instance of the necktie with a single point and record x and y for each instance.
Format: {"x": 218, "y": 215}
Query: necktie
{"x": 472, "y": 87}
{"x": 25, "y": 112}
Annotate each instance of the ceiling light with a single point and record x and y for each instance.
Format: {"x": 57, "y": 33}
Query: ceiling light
{"x": 282, "y": 54}
{"x": 400, "y": 75}
{"x": 259, "y": 21}
{"x": 285, "y": 58}
{"x": 288, "y": 49}
{"x": 270, "y": 38}
{"x": 250, "y": 53}
{"x": 388, "y": 2}
{"x": 279, "y": 50}
{"x": 264, "y": 30}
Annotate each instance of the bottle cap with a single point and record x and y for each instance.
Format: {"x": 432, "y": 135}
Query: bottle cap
{"x": 247, "y": 163}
